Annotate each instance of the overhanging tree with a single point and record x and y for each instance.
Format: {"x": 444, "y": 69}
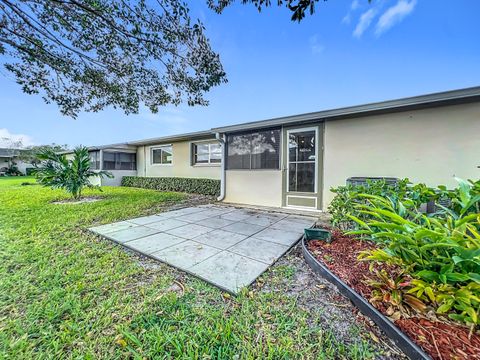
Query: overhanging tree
{"x": 299, "y": 8}
{"x": 85, "y": 55}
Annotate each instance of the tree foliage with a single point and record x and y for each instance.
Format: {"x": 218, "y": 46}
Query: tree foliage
{"x": 299, "y": 8}
{"x": 72, "y": 175}
{"x": 85, "y": 55}
{"x": 31, "y": 154}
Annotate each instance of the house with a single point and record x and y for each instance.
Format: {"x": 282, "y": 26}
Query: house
{"x": 10, "y": 157}
{"x": 293, "y": 161}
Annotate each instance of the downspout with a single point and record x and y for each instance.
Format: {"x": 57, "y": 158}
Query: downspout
{"x": 222, "y": 174}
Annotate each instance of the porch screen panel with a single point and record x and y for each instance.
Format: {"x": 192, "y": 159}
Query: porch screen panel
{"x": 254, "y": 150}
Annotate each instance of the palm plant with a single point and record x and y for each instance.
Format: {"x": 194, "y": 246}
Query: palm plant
{"x": 72, "y": 175}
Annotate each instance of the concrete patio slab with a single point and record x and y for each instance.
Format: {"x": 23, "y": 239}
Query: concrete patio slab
{"x": 179, "y": 212}
{"x": 215, "y": 222}
{"x": 186, "y": 254}
{"x": 153, "y": 243}
{"x": 195, "y": 217}
{"x": 145, "y": 220}
{"x": 264, "y": 219}
{"x": 229, "y": 271}
{"x": 236, "y": 215}
{"x": 108, "y": 228}
{"x": 278, "y": 236}
{"x": 244, "y": 228}
{"x": 166, "y": 224}
{"x": 131, "y": 233}
{"x": 292, "y": 223}
{"x": 220, "y": 239}
{"x": 189, "y": 231}
{"x": 226, "y": 246}
{"x": 261, "y": 250}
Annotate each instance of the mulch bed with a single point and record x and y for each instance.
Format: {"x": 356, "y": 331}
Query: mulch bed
{"x": 440, "y": 340}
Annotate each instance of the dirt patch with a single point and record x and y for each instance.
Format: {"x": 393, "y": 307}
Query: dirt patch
{"x": 440, "y": 340}
{"x": 318, "y": 296}
{"x": 88, "y": 199}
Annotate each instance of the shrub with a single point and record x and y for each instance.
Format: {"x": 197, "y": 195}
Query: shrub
{"x": 209, "y": 187}
{"x": 348, "y": 197}
{"x": 57, "y": 172}
{"x": 439, "y": 252}
{"x": 13, "y": 170}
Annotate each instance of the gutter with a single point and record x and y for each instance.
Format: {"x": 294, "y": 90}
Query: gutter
{"x": 222, "y": 175}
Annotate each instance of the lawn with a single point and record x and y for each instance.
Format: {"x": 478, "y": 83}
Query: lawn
{"x": 65, "y": 293}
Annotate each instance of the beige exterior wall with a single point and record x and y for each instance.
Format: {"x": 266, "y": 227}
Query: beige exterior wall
{"x": 181, "y": 163}
{"x": 431, "y": 146}
{"x": 259, "y": 187}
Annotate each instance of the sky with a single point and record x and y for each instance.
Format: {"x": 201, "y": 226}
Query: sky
{"x": 347, "y": 53}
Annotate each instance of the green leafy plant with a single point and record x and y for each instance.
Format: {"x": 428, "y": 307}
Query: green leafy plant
{"x": 441, "y": 251}
{"x": 72, "y": 175}
{"x": 344, "y": 205}
{"x": 208, "y": 187}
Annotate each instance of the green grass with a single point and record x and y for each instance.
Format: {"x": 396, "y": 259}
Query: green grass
{"x": 65, "y": 293}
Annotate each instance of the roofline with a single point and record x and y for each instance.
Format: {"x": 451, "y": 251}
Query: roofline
{"x": 173, "y": 138}
{"x": 452, "y": 97}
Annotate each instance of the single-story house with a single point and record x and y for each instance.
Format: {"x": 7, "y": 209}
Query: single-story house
{"x": 9, "y": 157}
{"x": 293, "y": 161}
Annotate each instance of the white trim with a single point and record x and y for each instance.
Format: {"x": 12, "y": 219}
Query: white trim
{"x": 287, "y": 157}
{"x": 159, "y": 147}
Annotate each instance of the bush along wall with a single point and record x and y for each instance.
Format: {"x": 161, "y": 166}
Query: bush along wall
{"x": 209, "y": 187}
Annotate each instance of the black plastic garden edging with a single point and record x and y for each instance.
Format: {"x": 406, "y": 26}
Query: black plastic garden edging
{"x": 410, "y": 349}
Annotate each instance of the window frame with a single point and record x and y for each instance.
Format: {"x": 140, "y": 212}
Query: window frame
{"x": 193, "y": 153}
{"x": 160, "y": 147}
{"x": 251, "y": 132}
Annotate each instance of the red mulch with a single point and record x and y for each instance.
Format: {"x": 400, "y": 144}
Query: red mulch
{"x": 441, "y": 340}
{"x": 438, "y": 339}
{"x": 340, "y": 257}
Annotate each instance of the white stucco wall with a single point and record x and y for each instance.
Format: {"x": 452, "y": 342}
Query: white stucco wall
{"x": 431, "y": 146}
{"x": 260, "y": 187}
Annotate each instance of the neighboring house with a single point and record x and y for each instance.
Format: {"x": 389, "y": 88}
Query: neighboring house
{"x": 9, "y": 157}
{"x": 294, "y": 161}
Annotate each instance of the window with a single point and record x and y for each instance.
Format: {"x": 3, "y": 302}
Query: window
{"x": 255, "y": 150}
{"x": 119, "y": 161}
{"x": 94, "y": 160}
{"x": 206, "y": 153}
{"x": 162, "y": 155}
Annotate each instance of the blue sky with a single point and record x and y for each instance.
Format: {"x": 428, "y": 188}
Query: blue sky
{"x": 349, "y": 52}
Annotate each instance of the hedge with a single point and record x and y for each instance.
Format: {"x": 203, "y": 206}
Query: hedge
{"x": 178, "y": 184}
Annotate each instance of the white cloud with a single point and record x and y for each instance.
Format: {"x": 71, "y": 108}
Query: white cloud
{"x": 394, "y": 15}
{"x": 365, "y": 20}
{"x": 7, "y": 139}
{"x": 315, "y": 46}
{"x": 348, "y": 17}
